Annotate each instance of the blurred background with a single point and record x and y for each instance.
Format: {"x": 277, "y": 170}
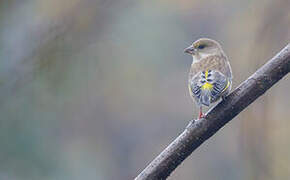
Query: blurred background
{"x": 95, "y": 89}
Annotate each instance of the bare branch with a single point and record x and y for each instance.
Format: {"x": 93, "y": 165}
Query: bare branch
{"x": 199, "y": 131}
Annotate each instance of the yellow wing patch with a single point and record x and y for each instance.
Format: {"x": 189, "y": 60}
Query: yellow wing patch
{"x": 207, "y": 86}
{"x": 206, "y": 74}
{"x": 228, "y": 84}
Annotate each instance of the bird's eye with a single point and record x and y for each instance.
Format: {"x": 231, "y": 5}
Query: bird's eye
{"x": 201, "y": 46}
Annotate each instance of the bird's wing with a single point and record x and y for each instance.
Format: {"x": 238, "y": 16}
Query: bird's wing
{"x": 207, "y": 86}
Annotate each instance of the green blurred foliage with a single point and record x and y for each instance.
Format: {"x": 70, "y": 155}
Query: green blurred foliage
{"x": 93, "y": 89}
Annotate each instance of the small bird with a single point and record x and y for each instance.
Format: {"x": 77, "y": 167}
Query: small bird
{"x": 210, "y": 76}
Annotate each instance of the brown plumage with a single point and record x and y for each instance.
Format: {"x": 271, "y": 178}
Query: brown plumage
{"x": 210, "y": 75}
{"x": 214, "y": 62}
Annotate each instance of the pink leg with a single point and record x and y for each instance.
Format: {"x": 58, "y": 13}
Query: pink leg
{"x": 200, "y": 112}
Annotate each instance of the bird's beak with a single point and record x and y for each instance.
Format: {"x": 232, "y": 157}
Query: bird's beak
{"x": 189, "y": 50}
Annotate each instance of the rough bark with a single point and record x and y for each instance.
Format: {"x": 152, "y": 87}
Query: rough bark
{"x": 199, "y": 131}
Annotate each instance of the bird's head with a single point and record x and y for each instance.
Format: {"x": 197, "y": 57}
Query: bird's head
{"x": 203, "y": 47}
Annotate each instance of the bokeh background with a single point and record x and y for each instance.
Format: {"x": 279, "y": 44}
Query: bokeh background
{"x": 95, "y": 89}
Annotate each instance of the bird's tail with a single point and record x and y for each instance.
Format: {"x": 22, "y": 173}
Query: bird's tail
{"x": 205, "y": 97}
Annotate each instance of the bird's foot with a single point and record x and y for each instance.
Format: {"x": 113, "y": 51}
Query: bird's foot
{"x": 201, "y": 115}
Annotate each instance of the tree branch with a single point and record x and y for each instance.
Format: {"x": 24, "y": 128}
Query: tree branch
{"x": 199, "y": 131}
